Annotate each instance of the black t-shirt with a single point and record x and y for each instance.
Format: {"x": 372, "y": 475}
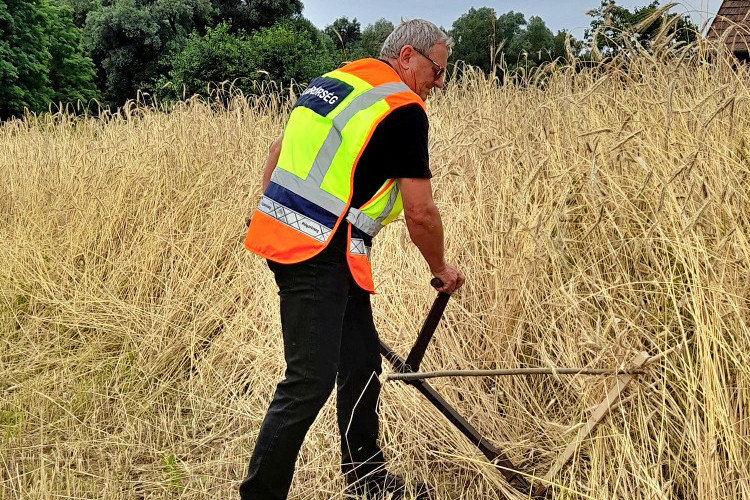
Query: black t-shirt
{"x": 397, "y": 149}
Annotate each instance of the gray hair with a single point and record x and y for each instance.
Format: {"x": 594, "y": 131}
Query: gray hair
{"x": 420, "y": 34}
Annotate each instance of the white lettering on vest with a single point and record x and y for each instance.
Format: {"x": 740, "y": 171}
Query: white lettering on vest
{"x": 322, "y": 94}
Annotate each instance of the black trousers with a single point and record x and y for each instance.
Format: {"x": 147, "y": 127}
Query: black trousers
{"x": 329, "y": 338}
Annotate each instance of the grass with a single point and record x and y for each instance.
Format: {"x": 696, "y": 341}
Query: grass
{"x": 596, "y": 213}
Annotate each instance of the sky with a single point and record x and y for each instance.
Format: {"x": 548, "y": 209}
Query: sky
{"x": 557, "y": 14}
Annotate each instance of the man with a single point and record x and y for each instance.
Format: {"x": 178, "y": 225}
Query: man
{"x": 354, "y": 151}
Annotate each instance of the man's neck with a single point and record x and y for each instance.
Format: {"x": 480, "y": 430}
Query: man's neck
{"x": 393, "y": 64}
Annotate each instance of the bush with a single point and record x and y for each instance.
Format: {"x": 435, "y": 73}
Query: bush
{"x": 213, "y": 58}
{"x": 287, "y": 54}
{"x": 130, "y": 42}
{"x": 41, "y": 58}
{"x": 282, "y": 53}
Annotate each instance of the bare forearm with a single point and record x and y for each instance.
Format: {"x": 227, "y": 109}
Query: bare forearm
{"x": 273, "y": 157}
{"x": 426, "y": 231}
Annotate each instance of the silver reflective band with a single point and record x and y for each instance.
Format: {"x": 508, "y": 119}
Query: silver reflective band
{"x": 331, "y": 145}
{"x": 295, "y": 220}
{"x": 367, "y": 224}
{"x": 309, "y": 188}
{"x": 324, "y": 158}
{"x": 389, "y": 205}
{"x": 363, "y": 222}
{"x": 367, "y": 99}
{"x": 357, "y": 247}
{"x": 308, "y": 191}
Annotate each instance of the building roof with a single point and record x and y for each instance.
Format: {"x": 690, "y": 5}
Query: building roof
{"x": 733, "y": 17}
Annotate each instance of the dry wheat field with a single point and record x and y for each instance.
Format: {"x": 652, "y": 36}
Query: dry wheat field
{"x": 596, "y": 213}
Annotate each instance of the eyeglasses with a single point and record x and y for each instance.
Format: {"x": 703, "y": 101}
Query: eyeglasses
{"x": 439, "y": 70}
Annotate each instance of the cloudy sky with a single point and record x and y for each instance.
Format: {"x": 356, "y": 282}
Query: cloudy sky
{"x": 557, "y": 14}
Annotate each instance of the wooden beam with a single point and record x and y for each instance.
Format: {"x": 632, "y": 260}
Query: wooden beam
{"x": 610, "y": 401}
{"x": 512, "y": 372}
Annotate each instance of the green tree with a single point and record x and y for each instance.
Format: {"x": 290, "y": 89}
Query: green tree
{"x": 475, "y": 37}
{"x": 481, "y": 38}
{"x": 71, "y": 73}
{"x": 511, "y": 35}
{"x": 249, "y": 15}
{"x": 81, "y": 9}
{"x": 346, "y": 35}
{"x": 322, "y": 43}
{"x": 374, "y": 35}
{"x": 610, "y": 22}
{"x": 130, "y": 42}
{"x": 479, "y": 33}
{"x": 23, "y": 68}
{"x": 563, "y": 38}
{"x": 509, "y": 26}
{"x": 215, "y": 57}
{"x": 283, "y": 52}
{"x": 8, "y": 71}
{"x": 42, "y": 59}
{"x": 533, "y": 45}
{"x": 286, "y": 54}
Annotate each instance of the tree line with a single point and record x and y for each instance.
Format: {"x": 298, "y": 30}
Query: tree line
{"x": 60, "y": 52}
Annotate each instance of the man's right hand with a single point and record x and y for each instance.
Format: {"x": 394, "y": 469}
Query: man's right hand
{"x": 451, "y": 277}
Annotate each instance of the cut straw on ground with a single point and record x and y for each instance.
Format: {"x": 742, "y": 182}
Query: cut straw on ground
{"x": 596, "y": 211}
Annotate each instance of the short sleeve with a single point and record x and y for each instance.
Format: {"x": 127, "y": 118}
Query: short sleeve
{"x": 397, "y": 149}
{"x": 403, "y": 138}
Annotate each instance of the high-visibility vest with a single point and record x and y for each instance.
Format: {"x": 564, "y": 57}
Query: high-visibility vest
{"x": 311, "y": 187}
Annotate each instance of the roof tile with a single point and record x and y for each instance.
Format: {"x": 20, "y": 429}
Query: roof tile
{"x": 734, "y": 15}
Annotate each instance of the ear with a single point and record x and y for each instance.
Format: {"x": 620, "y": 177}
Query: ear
{"x": 405, "y": 55}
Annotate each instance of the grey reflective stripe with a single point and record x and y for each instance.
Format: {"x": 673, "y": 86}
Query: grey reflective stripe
{"x": 307, "y": 191}
{"x": 324, "y": 158}
{"x": 309, "y": 188}
{"x": 365, "y": 100}
{"x": 293, "y": 219}
{"x": 327, "y": 151}
{"x": 389, "y": 206}
{"x": 367, "y": 224}
{"x": 357, "y": 247}
{"x": 362, "y": 222}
